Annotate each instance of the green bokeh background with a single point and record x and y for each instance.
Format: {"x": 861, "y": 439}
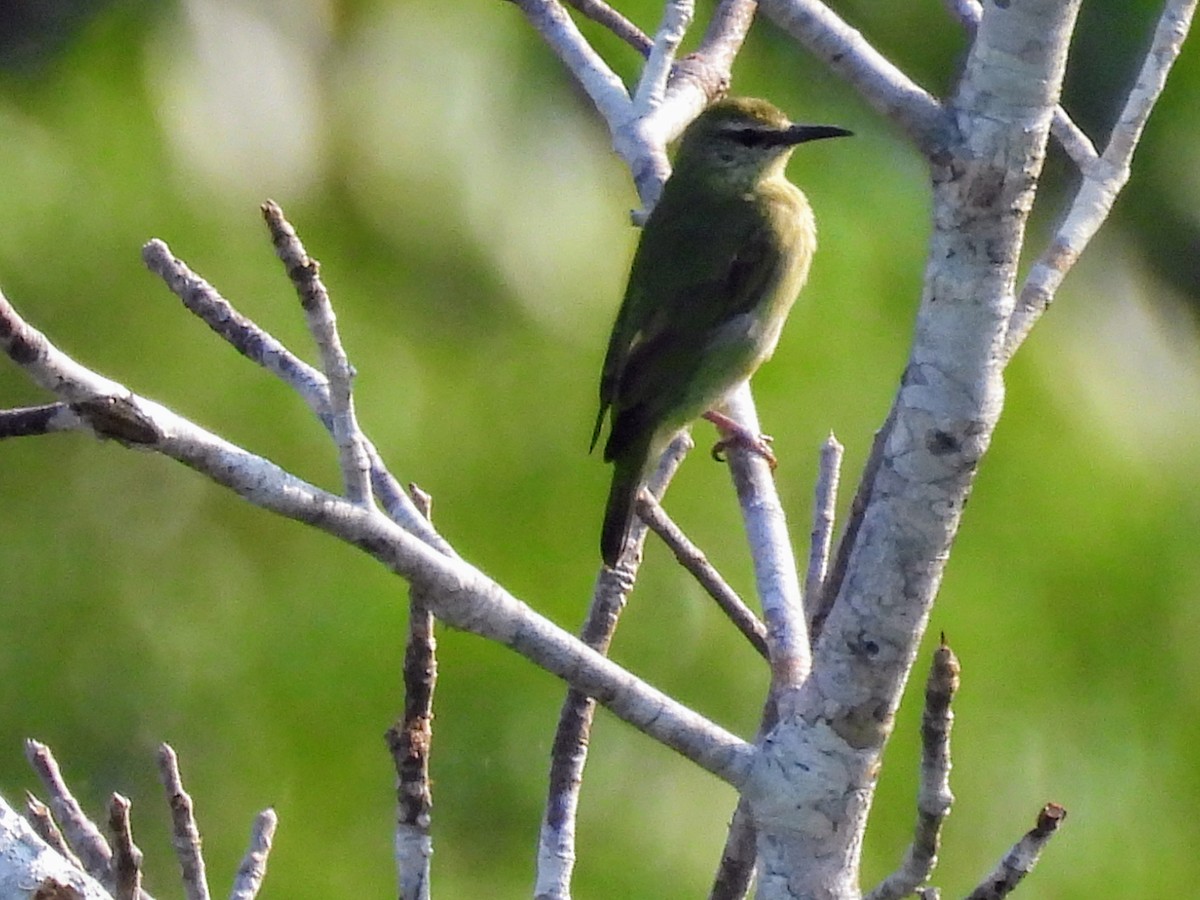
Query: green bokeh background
{"x": 472, "y": 226}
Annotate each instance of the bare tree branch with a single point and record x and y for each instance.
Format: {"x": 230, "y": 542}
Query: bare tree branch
{"x": 568, "y": 755}
{"x": 29, "y": 868}
{"x": 1072, "y": 139}
{"x": 322, "y": 324}
{"x": 253, "y": 868}
{"x": 829, "y": 471}
{"x": 934, "y": 797}
{"x": 738, "y": 865}
{"x": 947, "y": 407}
{"x": 819, "y": 607}
{"x": 1020, "y": 860}
{"x": 32, "y": 421}
{"x": 1103, "y": 178}
{"x": 693, "y": 559}
{"x": 594, "y": 75}
{"x": 82, "y": 836}
{"x": 735, "y": 873}
{"x": 126, "y": 865}
{"x": 775, "y": 570}
{"x": 1078, "y": 146}
{"x": 806, "y": 781}
{"x": 38, "y": 816}
{"x": 202, "y": 300}
{"x": 258, "y": 346}
{"x": 25, "y": 855}
{"x": 410, "y": 741}
{"x": 848, "y": 54}
{"x": 458, "y": 594}
{"x": 605, "y": 15}
{"x": 643, "y": 125}
{"x": 652, "y": 86}
{"x": 185, "y": 836}
{"x": 713, "y": 59}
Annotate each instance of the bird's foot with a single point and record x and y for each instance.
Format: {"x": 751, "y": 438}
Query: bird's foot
{"x": 734, "y": 435}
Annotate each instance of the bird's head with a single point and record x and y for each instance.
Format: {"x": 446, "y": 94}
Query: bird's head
{"x": 741, "y": 140}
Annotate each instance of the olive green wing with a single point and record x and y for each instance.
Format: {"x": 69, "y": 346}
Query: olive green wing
{"x": 674, "y": 361}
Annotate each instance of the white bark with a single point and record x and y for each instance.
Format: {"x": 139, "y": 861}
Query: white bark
{"x": 808, "y": 779}
{"x": 814, "y": 778}
{"x": 30, "y": 869}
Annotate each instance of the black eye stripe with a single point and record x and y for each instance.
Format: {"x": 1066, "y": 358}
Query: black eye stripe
{"x": 748, "y": 137}
{"x": 755, "y": 135}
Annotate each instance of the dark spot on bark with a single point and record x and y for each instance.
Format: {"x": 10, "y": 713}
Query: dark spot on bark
{"x": 20, "y": 350}
{"x": 987, "y": 189}
{"x": 374, "y": 547}
{"x": 117, "y": 418}
{"x": 50, "y": 889}
{"x": 942, "y": 442}
{"x": 996, "y": 252}
{"x": 1003, "y": 4}
{"x": 864, "y": 646}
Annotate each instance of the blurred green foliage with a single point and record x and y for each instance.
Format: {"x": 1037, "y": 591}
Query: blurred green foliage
{"x": 472, "y": 226}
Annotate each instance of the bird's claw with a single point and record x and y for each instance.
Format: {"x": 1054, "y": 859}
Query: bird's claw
{"x": 734, "y": 435}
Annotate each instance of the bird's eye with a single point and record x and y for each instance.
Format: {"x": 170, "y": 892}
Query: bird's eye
{"x": 747, "y": 137}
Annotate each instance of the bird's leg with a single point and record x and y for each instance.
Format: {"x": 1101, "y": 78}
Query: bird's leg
{"x": 734, "y": 435}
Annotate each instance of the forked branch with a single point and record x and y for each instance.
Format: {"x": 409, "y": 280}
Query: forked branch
{"x": 458, "y": 594}
{"x": 84, "y": 864}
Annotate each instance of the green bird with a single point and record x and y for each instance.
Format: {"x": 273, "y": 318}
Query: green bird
{"x": 720, "y": 261}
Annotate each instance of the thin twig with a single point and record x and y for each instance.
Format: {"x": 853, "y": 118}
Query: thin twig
{"x": 253, "y": 867}
{"x": 820, "y": 607}
{"x": 82, "y": 835}
{"x": 185, "y": 836}
{"x": 568, "y": 756}
{"x": 934, "y": 797}
{"x": 1074, "y": 141}
{"x": 669, "y": 97}
{"x": 696, "y": 80}
{"x": 739, "y": 857}
{"x": 693, "y": 559}
{"x": 735, "y": 873}
{"x": 713, "y": 59}
{"x": 605, "y": 15}
{"x": 829, "y": 470}
{"x": 1103, "y": 179}
{"x": 850, "y": 56}
{"x": 126, "y": 865}
{"x": 640, "y": 140}
{"x": 1071, "y": 137}
{"x": 594, "y": 75}
{"x": 39, "y": 817}
{"x": 1020, "y": 860}
{"x": 458, "y": 594}
{"x": 247, "y": 337}
{"x": 305, "y": 274}
{"x": 421, "y": 499}
{"x": 657, "y": 482}
{"x": 410, "y": 740}
{"x": 652, "y": 86}
{"x": 775, "y": 572}
{"x": 258, "y": 346}
{"x": 31, "y": 421}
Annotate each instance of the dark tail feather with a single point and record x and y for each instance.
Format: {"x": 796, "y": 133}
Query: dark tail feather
{"x": 618, "y": 515}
